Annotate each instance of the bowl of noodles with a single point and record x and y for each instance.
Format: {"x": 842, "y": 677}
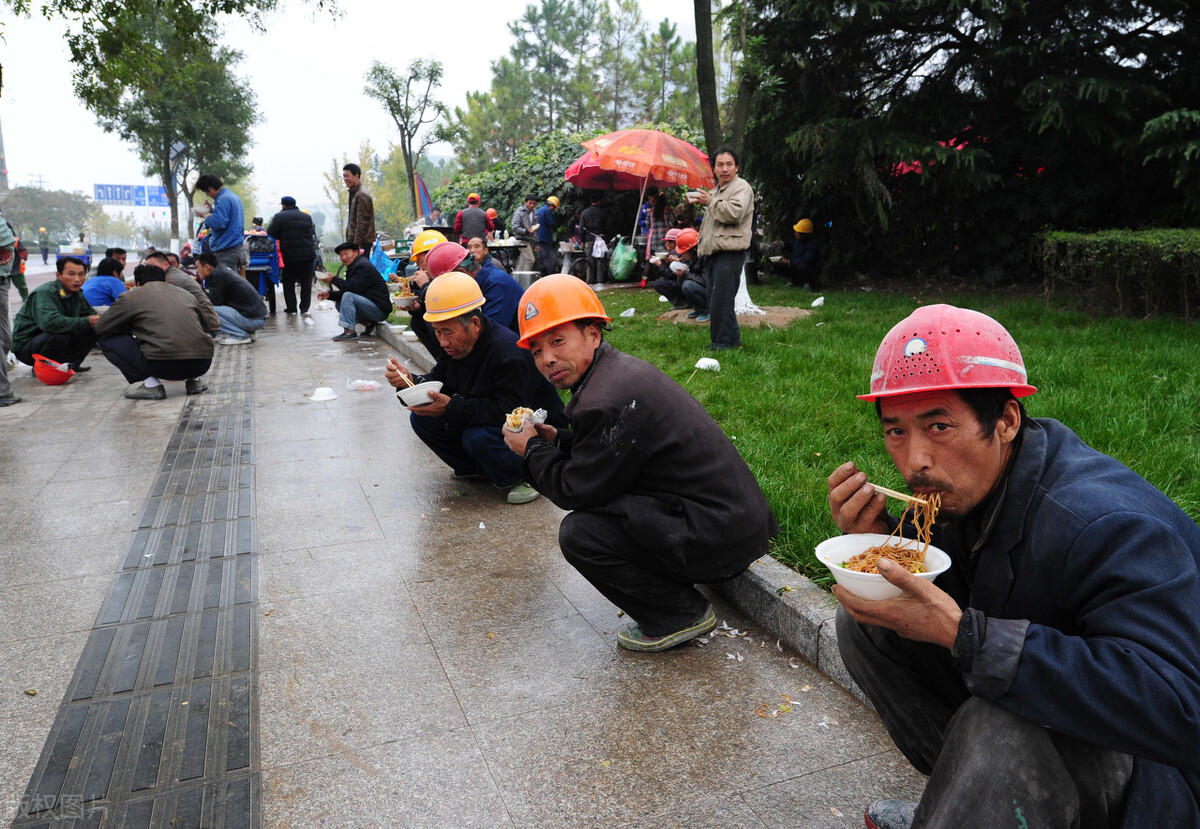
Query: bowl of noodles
{"x": 838, "y": 552}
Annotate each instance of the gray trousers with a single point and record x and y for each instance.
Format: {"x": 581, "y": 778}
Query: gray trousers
{"x": 525, "y": 259}
{"x": 5, "y": 336}
{"x": 986, "y": 765}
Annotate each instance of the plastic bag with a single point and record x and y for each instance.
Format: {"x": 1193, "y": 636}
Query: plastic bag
{"x": 622, "y": 261}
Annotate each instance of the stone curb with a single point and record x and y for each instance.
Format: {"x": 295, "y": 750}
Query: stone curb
{"x": 801, "y": 615}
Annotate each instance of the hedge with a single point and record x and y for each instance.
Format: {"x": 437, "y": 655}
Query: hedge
{"x": 1123, "y": 273}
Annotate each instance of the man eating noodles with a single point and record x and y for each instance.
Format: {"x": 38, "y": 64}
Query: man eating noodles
{"x": 1050, "y": 677}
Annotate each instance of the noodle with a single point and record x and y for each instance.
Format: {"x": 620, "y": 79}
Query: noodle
{"x": 911, "y": 558}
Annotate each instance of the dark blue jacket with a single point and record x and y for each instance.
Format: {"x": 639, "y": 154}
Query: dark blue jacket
{"x": 364, "y": 279}
{"x": 502, "y": 294}
{"x": 1089, "y": 580}
{"x": 546, "y": 226}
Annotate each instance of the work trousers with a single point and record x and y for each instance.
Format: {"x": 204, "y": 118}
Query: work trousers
{"x": 547, "y": 258}
{"x": 477, "y": 450}
{"x": 123, "y": 352}
{"x": 695, "y": 294}
{"x": 724, "y": 272}
{"x": 235, "y": 258}
{"x": 235, "y": 323}
{"x": 5, "y": 338}
{"x": 986, "y": 765}
{"x": 356, "y": 308}
{"x": 597, "y": 270}
{"x": 628, "y": 573}
{"x": 671, "y": 289}
{"x": 526, "y": 259}
{"x": 62, "y": 348}
{"x": 293, "y": 274}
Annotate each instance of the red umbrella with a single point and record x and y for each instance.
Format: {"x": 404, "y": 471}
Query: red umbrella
{"x": 634, "y": 159}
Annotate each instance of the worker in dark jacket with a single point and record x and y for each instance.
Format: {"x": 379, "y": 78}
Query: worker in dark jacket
{"x": 293, "y": 229}
{"x": 1052, "y": 674}
{"x": 238, "y": 306}
{"x": 361, "y": 297}
{"x": 484, "y": 375}
{"x": 56, "y": 320}
{"x": 801, "y": 259}
{"x": 661, "y": 498}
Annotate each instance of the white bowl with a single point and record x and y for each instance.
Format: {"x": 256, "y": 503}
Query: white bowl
{"x": 833, "y": 552}
{"x": 322, "y": 394}
{"x": 775, "y": 258}
{"x": 418, "y": 395}
{"x": 402, "y": 302}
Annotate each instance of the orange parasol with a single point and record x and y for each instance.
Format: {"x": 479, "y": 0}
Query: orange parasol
{"x": 652, "y": 156}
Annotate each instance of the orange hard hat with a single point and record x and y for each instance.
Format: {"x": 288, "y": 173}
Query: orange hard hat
{"x": 553, "y": 300}
{"x": 50, "y": 372}
{"x": 451, "y": 295}
{"x": 491, "y": 213}
{"x": 425, "y": 240}
{"x": 687, "y": 239}
{"x": 472, "y": 197}
{"x": 941, "y": 347}
{"x": 445, "y": 257}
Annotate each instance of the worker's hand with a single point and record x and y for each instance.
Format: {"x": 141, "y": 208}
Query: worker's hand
{"x": 925, "y": 613}
{"x": 517, "y": 441}
{"x": 853, "y": 503}
{"x": 420, "y": 278}
{"x": 93, "y": 319}
{"x": 783, "y": 261}
{"x": 437, "y": 408}
{"x": 702, "y": 198}
{"x": 395, "y": 374}
{"x": 322, "y": 295}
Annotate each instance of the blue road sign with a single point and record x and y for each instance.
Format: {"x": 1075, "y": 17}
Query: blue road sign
{"x": 131, "y": 195}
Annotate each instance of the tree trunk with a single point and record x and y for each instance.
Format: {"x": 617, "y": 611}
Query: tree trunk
{"x": 741, "y": 111}
{"x": 706, "y": 77}
{"x": 410, "y": 167}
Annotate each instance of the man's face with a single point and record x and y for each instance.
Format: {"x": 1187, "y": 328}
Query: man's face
{"x": 456, "y": 339}
{"x": 434, "y": 215}
{"x": 935, "y": 441}
{"x": 478, "y": 249}
{"x": 530, "y": 204}
{"x": 347, "y": 256}
{"x": 725, "y": 168}
{"x": 669, "y": 244}
{"x": 72, "y": 277}
{"x": 203, "y": 269}
{"x": 156, "y": 262}
{"x": 564, "y": 353}
{"x": 350, "y": 179}
{"x": 173, "y": 260}
{"x": 120, "y": 257}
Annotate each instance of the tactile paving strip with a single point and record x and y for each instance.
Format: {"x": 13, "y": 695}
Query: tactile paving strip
{"x": 159, "y": 727}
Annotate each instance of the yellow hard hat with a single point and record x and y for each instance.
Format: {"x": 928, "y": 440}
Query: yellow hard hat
{"x": 553, "y": 200}
{"x": 803, "y": 226}
{"x": 41, "y": 230}
{"x": 452, "y": 295}
{"x": 425, "y": 240}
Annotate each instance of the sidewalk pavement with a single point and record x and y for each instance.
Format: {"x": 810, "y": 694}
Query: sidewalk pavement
{"x": 422, "y": 654}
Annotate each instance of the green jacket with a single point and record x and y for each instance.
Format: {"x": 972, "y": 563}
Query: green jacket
{"x": 51, "y": 309}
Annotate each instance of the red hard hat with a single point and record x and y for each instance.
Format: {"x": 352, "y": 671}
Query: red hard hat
{"x": 941, "y": 347}
{"x": 445, "y": 257}
{"x": 491, "y": 213}
{"x": 50, "y": 372}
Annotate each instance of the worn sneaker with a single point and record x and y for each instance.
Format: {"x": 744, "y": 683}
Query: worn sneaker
{"x": 890, "y": 814}
{"x": 631, "y": 637}
{"x": 234, "y": 341}
{"x": 142, "y": 393}
{"x": 692, "y": 314}
{"x": 9, "y": 399}
{"x": 345, "y": 335}
{"x": 195, "y": 387}
{"x": 703, "y": 318}
{"x": 77, "y": 368}
{"x": 522, "y": 493}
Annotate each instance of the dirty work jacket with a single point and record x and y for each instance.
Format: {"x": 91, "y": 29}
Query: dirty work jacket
{"x": 643, "y": 449}
{"x": 1086, "y": 590}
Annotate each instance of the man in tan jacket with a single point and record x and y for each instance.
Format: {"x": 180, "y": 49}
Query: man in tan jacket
{"x": 724, "y": 240}
{"x": 360, "y": 222}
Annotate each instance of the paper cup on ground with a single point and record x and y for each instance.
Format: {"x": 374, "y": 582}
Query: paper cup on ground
{"x": 322, "y": 394}
{"x": 418, "y": 395}
{"x": 836, "y": 550}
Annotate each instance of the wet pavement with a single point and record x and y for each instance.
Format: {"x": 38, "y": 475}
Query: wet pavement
{"x": 372, "y": 643}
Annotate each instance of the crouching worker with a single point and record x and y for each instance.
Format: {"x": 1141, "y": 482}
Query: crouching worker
{"x": 484, "y": 375}
{"x": 662, "y": 500}
{"x": 362, "y": 297}
{"x": 56, "y": 320}
{"x": 154, "y": 333}
{"x": 1051, "y": 676}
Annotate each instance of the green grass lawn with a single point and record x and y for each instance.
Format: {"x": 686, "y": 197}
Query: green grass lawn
{"x": 1130, "y": 388}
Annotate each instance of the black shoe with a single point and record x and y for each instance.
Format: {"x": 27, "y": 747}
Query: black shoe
{"x": 345, "y": 335}
{"x": 195, "y": 387}
{"x": 77, "y": 368}
{"x": 890, "y": 814}
{"x": 143, "y": 393}
{"x": 9, "y": 399}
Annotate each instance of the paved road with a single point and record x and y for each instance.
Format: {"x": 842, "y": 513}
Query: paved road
{"x": 421, "y": 655}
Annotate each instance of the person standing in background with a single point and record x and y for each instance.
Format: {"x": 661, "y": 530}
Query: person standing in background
{"x": 293, "y": 229}
{"x": 360, "y": 213}
{"x": 724, "y": 239}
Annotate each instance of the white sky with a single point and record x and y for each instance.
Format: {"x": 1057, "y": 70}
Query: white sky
{"x": 307, "y": 73}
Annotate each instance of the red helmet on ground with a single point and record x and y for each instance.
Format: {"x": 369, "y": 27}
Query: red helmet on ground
{"x": 687, "y": 239}
{"x": 445, "y": 257}
{"x": 941, "y": 347}
{"x": 553, "y": 300}
{"x": 50, "y": 372}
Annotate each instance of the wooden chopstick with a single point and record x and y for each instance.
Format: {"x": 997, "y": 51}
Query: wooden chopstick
{"x": 903, "y": 496}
